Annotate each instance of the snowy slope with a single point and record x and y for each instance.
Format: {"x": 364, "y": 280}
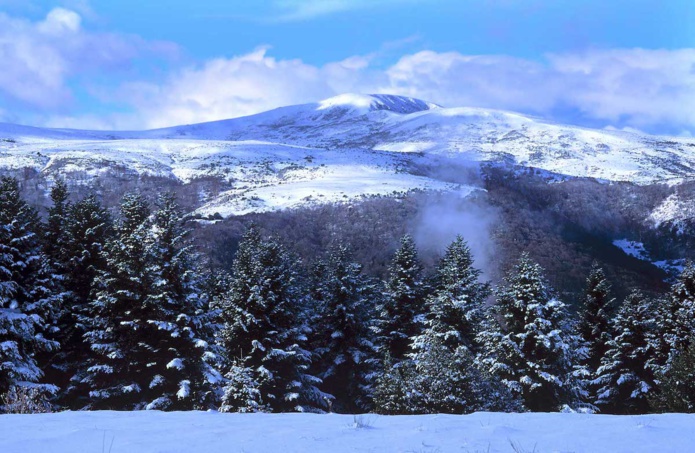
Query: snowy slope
{"x": 150, "y": 431}
{"x": 341, "y": 148}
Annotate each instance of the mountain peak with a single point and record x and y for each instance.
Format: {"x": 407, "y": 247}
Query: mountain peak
{"x": 374, "y": 102}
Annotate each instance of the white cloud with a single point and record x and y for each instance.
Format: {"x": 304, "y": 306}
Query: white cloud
{"x": 242, "y": 85}
{"x": 38, "y": 58}
{"x": 629, "y": 87}
{"x": 644, "y": 89}
{"x": 296, "y": 10}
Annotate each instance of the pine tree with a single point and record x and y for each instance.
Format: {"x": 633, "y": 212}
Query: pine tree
{"x": 181, "y": 363}
{"x": 455, "y": 311}
{"x": 675, "y": 320}
{"x": 343, "y": 339}
{"x": 147, "y": 316}
{"x": 625, "y": 379}
{"x": 676, "y": 386}
{"x": 55, "y": 236}
{"x": 265, "y": 332}
{"x": 403, "y": 303}
{"x": 87, "y": 229}
{"x": 392, "y": 395}
{"x": 533, "y": 348}
{"x": 594, "y": 326}
{"x": 117, "y": 330}
{"x": 28, "y": 305}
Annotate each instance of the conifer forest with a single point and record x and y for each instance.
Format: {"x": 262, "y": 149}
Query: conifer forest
{"x": 121, "y": 308}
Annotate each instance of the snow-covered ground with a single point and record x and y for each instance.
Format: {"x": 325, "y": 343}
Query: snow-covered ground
{"x": 151, "y": 431}
{"x": 637, "y": 250}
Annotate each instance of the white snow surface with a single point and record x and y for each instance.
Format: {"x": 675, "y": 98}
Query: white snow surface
{"x": 178, "y": 432}
{"x": 345, "y": 147}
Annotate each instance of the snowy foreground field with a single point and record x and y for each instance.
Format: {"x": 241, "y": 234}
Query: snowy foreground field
{"x": 135, "y": 432}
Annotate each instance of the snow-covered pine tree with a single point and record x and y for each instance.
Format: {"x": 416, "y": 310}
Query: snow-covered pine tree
{"x": 27, "y": 302}
{"x": 625, "y": 379}
{"x": 181, "y": 367}
{"x": 392, "y": 395}
{"x": 265, "y": 331}
{"x": 343, "y": 339}
{"x": 55, "y": 244}
{"x": 594, "y": 326}
{"x": 676, "y": 386}
{"x": 446, "y": 376}
{"x": 55, "y": 237}
{"x": 88, "y": 228}
{"x": 117, "y": 330}
{"x": 148, "y": 317}
{"x": 533, "y": 347}
{"x": 675, "y": 319}
{"x": 455, "y": 310}
{"x": 403, "y": 303}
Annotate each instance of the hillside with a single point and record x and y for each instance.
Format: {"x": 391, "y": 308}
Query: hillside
{"x": 342, "y": 148}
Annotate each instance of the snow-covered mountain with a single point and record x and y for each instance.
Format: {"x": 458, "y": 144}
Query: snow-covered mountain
{"x": 341, "y": 148}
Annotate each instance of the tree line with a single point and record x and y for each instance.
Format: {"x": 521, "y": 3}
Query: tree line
{"x": 120, "y": 312}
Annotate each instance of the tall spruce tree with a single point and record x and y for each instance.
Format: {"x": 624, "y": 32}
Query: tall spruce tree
{"x": 676, "y": 386}
{"x": 88, "y": 228}
{"x": 445, "y": 375}
{"x": 146, "y": 317}
{"x": 533, "y": 347}
{"x": 624, "y": 375}
{"x": 675, "y": 319}
{"x": 455, "y": 310}
{"x": 265, "y": 332}
{"x": 343, "y": 338}
{"x": 594, "y": 326}
{"x": 403, "y": 303}
{"x": 28, "y": 304}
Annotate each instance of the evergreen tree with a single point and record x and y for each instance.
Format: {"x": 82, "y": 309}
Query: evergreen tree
{"x": 625, "y": 379}
{"x": 55, "y": 237}
{"x": 28, "y": 304}
{"x": 403, "y": 303}
{"x": 676, "y": 386}
{"x": 117, "y": 317}
{"x": 675, "y": 319}
{"x": 146, "y": 317}
{"x": 533, "y": 348}
{"x": 392, "y": 395}
{"x": 264, "y": 331}
{"x": 455, "y": 311}
{"x": 594, "y": 326}
{"x": 87, "y": 229}
{"x": 343, "y": 339}
{"x": 181, "y": 363}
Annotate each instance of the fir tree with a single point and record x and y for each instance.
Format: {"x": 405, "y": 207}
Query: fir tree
{"x": 594, "y": 326}
{"x": 264, "y": 331}
{"x": 28, "y": 306}
{"x": 675, "y": 319}
{"x": 182, "y": 363}
{"x": 87, "y": 229}
{"x": 392, "y": 395}
{"x": 343, "y": 339}
{"x": 403, "y": 303}
{"x": 117, "y": 330}
{"x": 676, "y": 386}
{"x": 625, "y": 379}
{"x": 147, "y": 316}
{"x": 533, "y": 348}
{"x": 455, "y": 311}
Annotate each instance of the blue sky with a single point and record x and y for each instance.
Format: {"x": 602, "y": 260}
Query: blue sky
{"x": 136, "y": 64}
